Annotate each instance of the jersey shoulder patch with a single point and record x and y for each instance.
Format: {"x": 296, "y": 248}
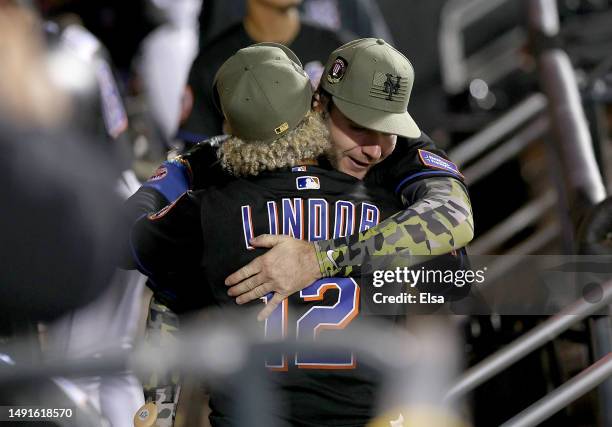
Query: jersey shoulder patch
{"x": 159, "y": 173}
{"x": 438, "y": 162}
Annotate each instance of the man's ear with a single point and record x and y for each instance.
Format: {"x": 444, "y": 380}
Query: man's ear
{"x": 316, "y": 103}
{"x": 319, "y": 103}
{"x": 227, "y": 129}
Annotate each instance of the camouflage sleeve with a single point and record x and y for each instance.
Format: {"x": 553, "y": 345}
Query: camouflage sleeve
{"x": 437, "y": 223}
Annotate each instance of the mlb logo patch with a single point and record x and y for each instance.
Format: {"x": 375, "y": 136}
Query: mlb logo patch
{"x": 307, "y": 183}
{"x": 298, "y": 169}
{"x": 437, "y": 162}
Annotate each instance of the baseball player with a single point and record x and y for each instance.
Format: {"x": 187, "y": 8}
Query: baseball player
{"x": 437, "y": 218}
{"x": 266, "y": 96}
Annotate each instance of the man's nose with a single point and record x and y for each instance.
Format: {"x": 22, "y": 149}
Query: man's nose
{"x": 372, "y": 149}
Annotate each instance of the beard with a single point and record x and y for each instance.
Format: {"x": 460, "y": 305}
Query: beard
{"x": 332, "y": 157}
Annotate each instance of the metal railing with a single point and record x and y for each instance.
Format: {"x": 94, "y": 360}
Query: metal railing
{"x": 527, "y": 343}
{"x": 474, "y": 146}
{"x": 578, "y": 185}
{"x": 582, "y": 383}
{"x": 527, "y": 215}
{"x": 458, "y": 68}
{"x": 583, "y": 183}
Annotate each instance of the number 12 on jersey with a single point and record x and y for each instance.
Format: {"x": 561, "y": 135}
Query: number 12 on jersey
{"x": 316, "y": 320}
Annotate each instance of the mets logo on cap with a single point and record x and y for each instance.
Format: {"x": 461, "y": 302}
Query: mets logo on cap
{"x": 337, "y": 70}
{"x": 307, "y": 183}
{"x": 389, "y": 86}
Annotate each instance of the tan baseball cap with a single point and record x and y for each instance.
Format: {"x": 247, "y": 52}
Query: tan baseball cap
{"x": 263, "y": 91}
{"x": 370, "y": 82}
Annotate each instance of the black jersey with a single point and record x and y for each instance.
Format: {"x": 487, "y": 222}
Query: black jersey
{"x": 211, "y": 229}
{"x": 410, "y": 161}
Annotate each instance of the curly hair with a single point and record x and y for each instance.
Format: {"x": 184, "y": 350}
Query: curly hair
{"x": 308, "y": 140}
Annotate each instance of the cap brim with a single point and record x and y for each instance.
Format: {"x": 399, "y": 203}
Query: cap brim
{"x": 400, "y": 124}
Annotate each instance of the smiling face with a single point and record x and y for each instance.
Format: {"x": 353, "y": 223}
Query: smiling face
{"x": 356, "y": 149}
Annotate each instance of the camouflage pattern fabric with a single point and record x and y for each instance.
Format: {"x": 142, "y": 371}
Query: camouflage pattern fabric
{"x": 164, "y": 391}
{"x": 436, "y": 224}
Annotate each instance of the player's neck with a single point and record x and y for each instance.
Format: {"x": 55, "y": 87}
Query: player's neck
{"x": 308, "y": 162}
{"x": 265, "y": 23}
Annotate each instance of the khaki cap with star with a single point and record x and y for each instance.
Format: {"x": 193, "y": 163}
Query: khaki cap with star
{"x": 263, "y": 92}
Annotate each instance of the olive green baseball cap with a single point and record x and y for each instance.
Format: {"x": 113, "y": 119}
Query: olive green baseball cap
{"x": 370, "y": 82}
{"x": 263, "y": 92}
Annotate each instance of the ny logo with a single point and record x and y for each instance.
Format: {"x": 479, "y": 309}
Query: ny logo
{"x": 392, "y": 87}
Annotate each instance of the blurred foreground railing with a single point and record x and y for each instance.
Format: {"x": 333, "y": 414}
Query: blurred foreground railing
{"x": 419, "y": 364}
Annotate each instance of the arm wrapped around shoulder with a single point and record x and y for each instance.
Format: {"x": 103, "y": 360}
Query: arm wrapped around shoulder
{"x": 437, "y": 220}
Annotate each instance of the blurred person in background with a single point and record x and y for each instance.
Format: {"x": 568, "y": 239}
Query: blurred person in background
{"x": 56, "y": 258}
{"x": 60, "y": 207}
{"x": 362, "y": 18}
{"x": 160, "y": 68}
{"x": 115, "y": 315}
{"x": 166, "y": 56}
{"x": 266, "y": 20}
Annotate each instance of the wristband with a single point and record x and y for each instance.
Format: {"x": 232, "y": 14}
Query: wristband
{"x": 327, "y": 260}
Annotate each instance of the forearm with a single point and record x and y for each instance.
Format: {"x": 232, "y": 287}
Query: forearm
{"x": 144, "y": 201}
{"x": 437, "y": 223}
{"x": 171, "y": 179}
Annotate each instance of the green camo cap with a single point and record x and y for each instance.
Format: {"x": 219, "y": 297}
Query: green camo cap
{"x": 370, "y": 82}
{"x": 263, "y": 91}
